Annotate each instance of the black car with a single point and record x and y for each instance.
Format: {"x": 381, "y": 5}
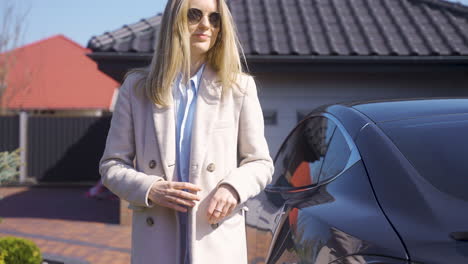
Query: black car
{"x": 374, "y": 182}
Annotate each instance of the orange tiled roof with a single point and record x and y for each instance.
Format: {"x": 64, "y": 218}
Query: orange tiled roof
{"x": 55, "y": 73}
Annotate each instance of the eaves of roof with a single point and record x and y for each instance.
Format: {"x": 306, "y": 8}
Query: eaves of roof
{"x": 120, "y": 56}
{"x": 301, "y": 59}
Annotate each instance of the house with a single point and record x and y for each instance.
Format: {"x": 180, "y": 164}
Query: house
{"x": 306, "y": 53}
{"x": 55, "y": 76}
{"x": 61, "y": 96}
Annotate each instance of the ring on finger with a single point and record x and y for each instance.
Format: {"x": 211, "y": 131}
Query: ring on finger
{"x": 217, "y": 210}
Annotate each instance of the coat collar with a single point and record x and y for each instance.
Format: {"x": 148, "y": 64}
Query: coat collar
{"x": 209, "y": 96}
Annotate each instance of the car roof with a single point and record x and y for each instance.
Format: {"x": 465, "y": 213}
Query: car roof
{"x": 392, "y": 110}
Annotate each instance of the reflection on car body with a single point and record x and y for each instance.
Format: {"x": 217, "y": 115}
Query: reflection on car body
{"x": 352, "y": 185}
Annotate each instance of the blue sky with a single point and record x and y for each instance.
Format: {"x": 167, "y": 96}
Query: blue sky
{"x": 81, "y": 19}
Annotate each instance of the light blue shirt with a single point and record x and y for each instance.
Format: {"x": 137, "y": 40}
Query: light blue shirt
{"x": 185, "y": 103}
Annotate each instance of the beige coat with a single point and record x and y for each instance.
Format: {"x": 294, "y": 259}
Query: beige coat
{"x": 228, "y": 146}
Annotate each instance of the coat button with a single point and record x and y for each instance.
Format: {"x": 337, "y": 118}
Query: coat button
{"x": 149, "y": 221}
{"x": 214, "y": 226}
{"x": 152, "y": 164}
{"x": 211, "y": 167}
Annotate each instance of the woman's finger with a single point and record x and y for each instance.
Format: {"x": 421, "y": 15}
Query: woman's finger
{"x": 211, "y": 207}
{"x": 180, "y": 201}
{"x": 184, "y": 195}
{"x": 185, "y": 185}
{"x": 232, "y": 206}
{"x": 215, "y": 216}
{"x": 225, "y": 211}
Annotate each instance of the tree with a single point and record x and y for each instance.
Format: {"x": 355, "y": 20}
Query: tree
{"x": 12, "y": 28}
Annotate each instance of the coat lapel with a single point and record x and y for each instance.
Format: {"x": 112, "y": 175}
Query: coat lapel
{"x": 209, "y": 96}
{"x": 164, "y": 125}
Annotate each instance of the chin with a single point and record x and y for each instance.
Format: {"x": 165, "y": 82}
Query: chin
{"x": 200, "y": 48}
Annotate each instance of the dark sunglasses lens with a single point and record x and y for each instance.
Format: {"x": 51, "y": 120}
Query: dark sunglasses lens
{"x": 215, "y": 19}
{"x": 194, "y": 15}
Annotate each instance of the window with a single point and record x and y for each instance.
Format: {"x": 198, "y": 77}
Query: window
{"x": 315, "y": 151}
{"x": 336, "y": 158}
{"x": 301, "y": 157}
{"x": 270, "y": 117}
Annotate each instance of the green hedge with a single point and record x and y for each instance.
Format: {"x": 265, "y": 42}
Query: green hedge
{"x": 2, "y": 257}
{"x": 19, "y": 251}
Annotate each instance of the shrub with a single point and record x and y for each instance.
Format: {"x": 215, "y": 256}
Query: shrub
{"x": 19, "y": 250}
{"x": 2, "y": 257}
{"x": 9, "y": 166}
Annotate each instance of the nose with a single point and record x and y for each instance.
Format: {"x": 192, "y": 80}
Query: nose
{"x": 204, "y": 22}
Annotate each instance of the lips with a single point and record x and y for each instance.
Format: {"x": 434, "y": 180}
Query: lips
{"x": 201, "y": 36}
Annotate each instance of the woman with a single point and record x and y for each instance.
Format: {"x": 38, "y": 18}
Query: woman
{"x": 186, "y": 147}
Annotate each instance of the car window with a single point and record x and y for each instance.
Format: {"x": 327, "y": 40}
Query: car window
{"x": 337, "y": 156}
{"x": 300, "y": 159}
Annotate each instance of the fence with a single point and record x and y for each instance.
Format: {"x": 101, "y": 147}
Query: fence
{"x": 9, "y": 133}
{"x": 59, "y": 149}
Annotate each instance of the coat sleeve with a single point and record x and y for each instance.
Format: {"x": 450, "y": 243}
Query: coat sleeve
{"x": 256, "y": 166}
{"x": 116, "y": 165}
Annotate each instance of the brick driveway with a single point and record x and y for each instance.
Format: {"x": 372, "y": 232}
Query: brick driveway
{"x": 65, "y": 224}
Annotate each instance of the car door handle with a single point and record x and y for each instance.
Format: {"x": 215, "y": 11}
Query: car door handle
{"x": 280, "y": 214}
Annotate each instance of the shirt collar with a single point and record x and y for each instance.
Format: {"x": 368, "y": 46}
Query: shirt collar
{"x": 180, "y": 89}
{"x": 197, "y": 78}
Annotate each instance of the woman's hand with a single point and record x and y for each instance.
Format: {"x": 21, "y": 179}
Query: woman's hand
{"x": 174, "y": 195}
{"x": 223, "y": 202}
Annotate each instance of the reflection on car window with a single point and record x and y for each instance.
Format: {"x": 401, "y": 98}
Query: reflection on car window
{"x": 300, "y": 159}
{"x": 337, "y": 157}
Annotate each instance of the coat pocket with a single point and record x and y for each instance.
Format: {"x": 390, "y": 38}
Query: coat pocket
{"x": 236, "y": 216}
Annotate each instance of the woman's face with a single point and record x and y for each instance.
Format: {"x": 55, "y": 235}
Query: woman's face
{"x": 203, "y": 26}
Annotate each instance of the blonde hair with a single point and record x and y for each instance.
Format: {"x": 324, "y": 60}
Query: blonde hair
{"x": 172, "y": 53}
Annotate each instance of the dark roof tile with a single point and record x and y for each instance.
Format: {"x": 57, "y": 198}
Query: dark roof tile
{"x": 137, "y": 37}
{"x": 325, "y": 27}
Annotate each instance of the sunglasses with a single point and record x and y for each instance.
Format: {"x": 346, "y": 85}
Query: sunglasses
{"x": 195, "y": 15}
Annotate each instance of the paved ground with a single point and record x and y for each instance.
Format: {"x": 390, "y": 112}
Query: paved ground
{"x": 70, "y": 227}
{"x": 66, "y": 224}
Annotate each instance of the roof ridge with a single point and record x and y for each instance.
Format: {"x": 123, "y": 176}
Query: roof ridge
{"x": 452, "y": 6}
{"x": 64, "y": 37}
{"x": 49, "y": 38}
